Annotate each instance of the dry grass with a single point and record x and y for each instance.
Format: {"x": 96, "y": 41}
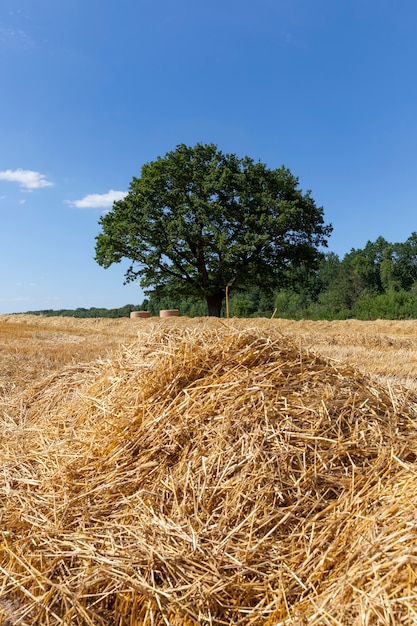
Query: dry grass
{"x": 385, "y": 349}
{"x": 206, "y": 472}
{"x": 33, "y": 347}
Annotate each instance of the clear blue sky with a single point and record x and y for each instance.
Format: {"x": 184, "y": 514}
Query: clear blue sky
{"x": 93, "y": 89}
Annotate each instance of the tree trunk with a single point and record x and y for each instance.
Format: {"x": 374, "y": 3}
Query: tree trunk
{"x": 214, "y": 304}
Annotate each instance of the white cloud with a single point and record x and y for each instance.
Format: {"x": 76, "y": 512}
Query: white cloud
{"x": 27, "y": 179}
{"x": 99, "y": 200}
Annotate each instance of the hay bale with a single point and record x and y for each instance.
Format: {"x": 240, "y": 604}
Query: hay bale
{"x": 210, "y": 475}
{"x": 139, "y": 314}
{"x": 169, "y": 313}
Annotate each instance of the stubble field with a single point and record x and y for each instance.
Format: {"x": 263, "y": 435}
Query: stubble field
{"x": 33, "y": 347}
{"x": 203, "y": 471}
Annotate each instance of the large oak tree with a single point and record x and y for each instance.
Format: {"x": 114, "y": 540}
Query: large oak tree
{"x": 198, "y": 221}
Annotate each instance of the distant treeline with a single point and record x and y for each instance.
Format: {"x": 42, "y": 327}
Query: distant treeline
{"x": 378, "y": 281}
{"x": 124, "y": 311}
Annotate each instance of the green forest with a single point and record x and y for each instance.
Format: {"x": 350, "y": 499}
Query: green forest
{"x": 376, "y": 282}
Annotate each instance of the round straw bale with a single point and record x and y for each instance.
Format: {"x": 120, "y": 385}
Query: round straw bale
{"x": 169, "y": 313}
{"x": 140, "y": 314}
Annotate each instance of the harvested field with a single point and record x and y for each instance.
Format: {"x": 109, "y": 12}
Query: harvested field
{"x": 207, "y": 472}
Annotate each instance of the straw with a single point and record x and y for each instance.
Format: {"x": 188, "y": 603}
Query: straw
{"x": 209, "y": 473}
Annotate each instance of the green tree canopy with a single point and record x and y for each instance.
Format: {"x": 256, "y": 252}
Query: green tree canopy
{"x": 198, "y": 221}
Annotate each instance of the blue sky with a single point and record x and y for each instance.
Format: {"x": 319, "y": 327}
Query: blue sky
{"x": 93, "y": 89}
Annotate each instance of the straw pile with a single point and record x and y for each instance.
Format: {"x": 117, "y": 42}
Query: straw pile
{"x": 209, "y": 475}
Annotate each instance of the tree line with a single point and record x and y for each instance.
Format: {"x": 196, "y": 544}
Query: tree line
{"x": 377, "y": 281}
{"x": 123, "y": 311}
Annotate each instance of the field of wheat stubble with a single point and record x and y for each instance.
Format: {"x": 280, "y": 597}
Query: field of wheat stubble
{"x": 205, "y": 471}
